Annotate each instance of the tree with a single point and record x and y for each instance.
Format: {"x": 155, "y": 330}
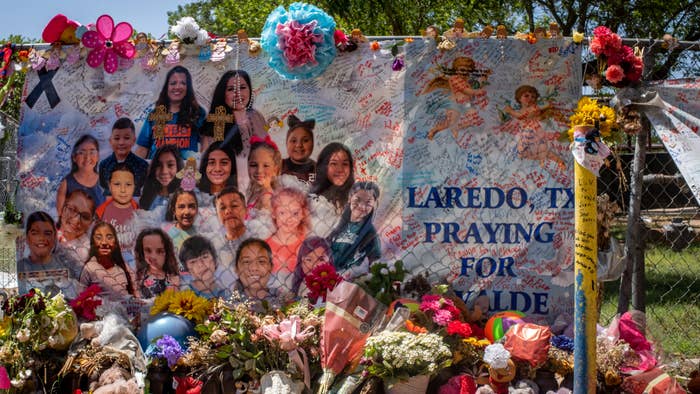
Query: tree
{"x": 373, "y": 17}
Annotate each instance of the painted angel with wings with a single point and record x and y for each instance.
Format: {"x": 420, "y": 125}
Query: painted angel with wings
{"x": 466, "y": 87}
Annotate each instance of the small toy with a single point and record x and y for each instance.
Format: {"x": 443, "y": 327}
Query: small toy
{"x": 189, "y": 175}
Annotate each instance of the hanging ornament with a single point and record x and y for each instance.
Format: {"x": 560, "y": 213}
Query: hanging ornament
{"x": 160, "y": 116}
{"x": 299, "y": 41}
{"x": 108, "y": 42}
{"x": 220, "y": 118}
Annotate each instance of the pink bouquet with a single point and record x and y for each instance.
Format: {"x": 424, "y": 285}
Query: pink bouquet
{"x": 617, "y": 62}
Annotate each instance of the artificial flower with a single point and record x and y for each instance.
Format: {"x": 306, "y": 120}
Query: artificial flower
{"x": 23, "y": 55}
{"x": 496, "y": 356}
{"x": 300, "y": 41}
{"x": 577, "y": 37}
{"x": 169, "y": 349}
{"x": 374, "y": 45}
{"x": 189, "y": 32}
{"x": 623, "y": 67}
{"x": 108, "y": 43}
{"x": 477, "y": 342}
{"x": 397, "y": 64}
{"x": 563, "y": 342}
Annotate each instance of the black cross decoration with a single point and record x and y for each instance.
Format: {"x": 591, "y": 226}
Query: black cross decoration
{"x": 44, "y": 86}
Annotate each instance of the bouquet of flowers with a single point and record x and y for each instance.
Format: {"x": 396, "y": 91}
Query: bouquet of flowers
{"x": 237, "y": 339}
{"x": 86, "y": 303}
{"x": 188, "y": 31}
{"x": 396, "y": 355}
{"x": 320, "y": 280}
{"x": 167, "y": 349}
{"x": 616, "y": 61}
{"x": 33, "y": 326}
{"x": 384, "y": 281}
{"x": 184, "y": 303}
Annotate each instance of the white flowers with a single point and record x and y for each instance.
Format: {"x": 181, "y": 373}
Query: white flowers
{"x": 23, "y": 335}
{"x": 189, "y": 32}
{"x": 413, "y": 354}
{"x": 496, "y": 356}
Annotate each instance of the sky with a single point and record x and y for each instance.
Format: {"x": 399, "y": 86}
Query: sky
{"x": 29, "y": 17}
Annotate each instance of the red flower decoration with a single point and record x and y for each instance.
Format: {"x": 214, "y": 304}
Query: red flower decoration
{"x": 320, "y": 280}
{"x": 108, "y": 43}
{"x": 85, "y": 304}
{"x": 456, "y": 327}
{"x": 614, "y": 73}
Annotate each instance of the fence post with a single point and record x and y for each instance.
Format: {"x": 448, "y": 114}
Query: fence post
{"x": 634, "y": 248}
{"x": 585, "y": 274}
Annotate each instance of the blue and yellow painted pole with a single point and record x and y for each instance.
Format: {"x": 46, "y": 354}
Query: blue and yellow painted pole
{"x": 585, "y": 270}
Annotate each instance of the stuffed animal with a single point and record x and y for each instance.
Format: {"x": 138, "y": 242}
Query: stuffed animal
{"x": 115, "y": 380}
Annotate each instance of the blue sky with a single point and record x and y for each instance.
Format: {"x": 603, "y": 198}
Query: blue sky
{"x": 29, "y": 17}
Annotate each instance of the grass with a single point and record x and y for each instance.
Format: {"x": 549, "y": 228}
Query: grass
{"x": 672, "y": 300}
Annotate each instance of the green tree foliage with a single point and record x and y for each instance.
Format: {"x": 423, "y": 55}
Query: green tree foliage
{"x": 373, "y": 17}
{"x": 629, "y": 18}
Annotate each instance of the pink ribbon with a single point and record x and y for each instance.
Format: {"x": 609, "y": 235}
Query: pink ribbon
{"x": 288, "y": 335}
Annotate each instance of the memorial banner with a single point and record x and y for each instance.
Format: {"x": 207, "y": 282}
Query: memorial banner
{"x": 451, "y": 164}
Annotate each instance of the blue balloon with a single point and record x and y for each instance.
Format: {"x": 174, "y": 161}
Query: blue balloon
{"x": 165, "y": 323}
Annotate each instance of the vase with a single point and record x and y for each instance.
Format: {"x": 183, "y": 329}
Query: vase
{"x": 160, "y": 380}
{"x": 414, "y": 385}
{"x": 279, "y": 382}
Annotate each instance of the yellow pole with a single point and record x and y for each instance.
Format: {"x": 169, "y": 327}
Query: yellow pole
{"x": 586, "y": 255}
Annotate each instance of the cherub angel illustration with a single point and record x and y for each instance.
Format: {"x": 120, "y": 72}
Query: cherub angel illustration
{"x": 527, "y": 107}
{"x": 534, "y": 141}
{"x": 466, "y": 86}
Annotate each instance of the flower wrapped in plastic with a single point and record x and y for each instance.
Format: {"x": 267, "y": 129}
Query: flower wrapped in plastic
{"x": 299, "y": 41}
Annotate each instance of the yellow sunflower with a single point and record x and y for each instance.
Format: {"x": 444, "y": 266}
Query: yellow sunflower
{"x": 588, "y": 112}
{"x": 162, "y": 301}
{"x": 186, "y": 303}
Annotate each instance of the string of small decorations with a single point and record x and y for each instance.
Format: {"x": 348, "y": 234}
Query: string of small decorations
{"x": 301, "y": 42}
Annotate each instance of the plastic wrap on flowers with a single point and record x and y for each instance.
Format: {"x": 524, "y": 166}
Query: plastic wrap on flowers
{"x": 299, "y": 41}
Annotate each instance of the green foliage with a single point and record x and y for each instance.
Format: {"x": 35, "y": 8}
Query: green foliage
{"x": 11, "y": 87}
{"x": 12, "y": 215}
{"x": 382, "y": 279}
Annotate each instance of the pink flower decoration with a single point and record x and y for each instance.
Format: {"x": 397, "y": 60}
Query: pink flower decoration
{"x": 442, "y": 317}
{"x": 108, "y": 43}
{"x": 614, "y": 73}
{"x": 297, "y": 41}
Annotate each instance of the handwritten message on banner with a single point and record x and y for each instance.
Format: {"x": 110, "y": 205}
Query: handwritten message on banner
{"x": 463, "y": 174}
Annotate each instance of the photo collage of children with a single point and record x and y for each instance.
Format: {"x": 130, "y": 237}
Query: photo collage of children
{"x": 179, "y": 204}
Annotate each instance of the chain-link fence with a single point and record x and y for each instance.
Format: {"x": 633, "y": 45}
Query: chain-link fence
{"x": 8, "y": 186}
{"x": 667, "y": 282}
{"x": 660, "y": 225}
